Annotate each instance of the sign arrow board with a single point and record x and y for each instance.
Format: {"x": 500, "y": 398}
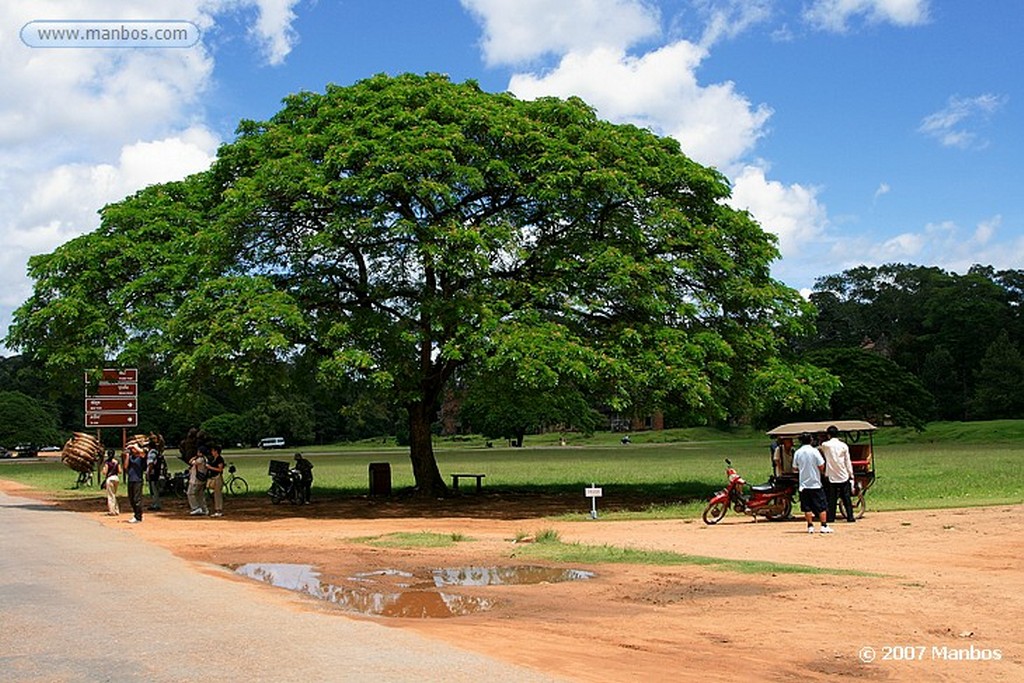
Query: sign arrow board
{"x": 113, "y": 382}
{"x": 111, "y": 400}
{"x": 111, "y": 419}
{"x": 111, "y": 404}
{"x": 128, "y": 375}
{"x": 117, "y": 390}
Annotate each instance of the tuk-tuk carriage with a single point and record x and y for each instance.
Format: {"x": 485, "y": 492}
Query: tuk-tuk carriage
{"x": 856, "y": 433}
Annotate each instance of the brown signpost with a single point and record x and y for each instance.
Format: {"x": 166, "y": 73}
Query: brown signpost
{"x": 111, "y": 419}
{"x": 117, "y": 390}
{"x": 111, "y": 405}
{"x": 113, "y": 401}
{"x": 128, "y": 376}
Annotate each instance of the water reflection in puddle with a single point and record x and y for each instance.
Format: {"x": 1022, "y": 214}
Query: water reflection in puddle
{"x": 406, "y": 596}
{"x": 506, "y": 576}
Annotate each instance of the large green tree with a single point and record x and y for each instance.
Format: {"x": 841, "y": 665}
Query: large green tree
{"x": 401, "y": 228}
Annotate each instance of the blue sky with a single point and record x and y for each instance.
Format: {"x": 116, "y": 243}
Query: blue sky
{"x": 857, "y": 131}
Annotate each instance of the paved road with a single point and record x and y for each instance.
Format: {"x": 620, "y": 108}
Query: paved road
{"x": 80, "y": 601}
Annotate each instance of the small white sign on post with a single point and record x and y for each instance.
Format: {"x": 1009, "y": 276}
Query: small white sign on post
{"x": 593, "y": 492}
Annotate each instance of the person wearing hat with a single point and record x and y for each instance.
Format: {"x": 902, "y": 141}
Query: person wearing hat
{"x": 135, "y": 470}
{"x": 305, "y": 468}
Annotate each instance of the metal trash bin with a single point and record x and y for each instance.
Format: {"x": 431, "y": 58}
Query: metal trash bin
{"x": 380, "y": 479}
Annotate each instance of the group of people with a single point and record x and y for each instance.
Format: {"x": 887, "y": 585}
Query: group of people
{"x": 819, "y": 497}
{"x": 145, "y": 463}
{"x": 206, "y": 472}
{"x": 142, "y": 463}
{"x": 139, "y": 464}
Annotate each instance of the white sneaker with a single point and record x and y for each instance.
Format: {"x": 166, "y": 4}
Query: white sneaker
{"x": 198, "y": 511}
{"x": 217, "y": 514}
{"x": 810, "y": 529}
{"x": 134, "y": 520}
{"x": 826, "y": 529}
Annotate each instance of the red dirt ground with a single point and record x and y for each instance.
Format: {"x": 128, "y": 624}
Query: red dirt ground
{"x": 946, "y": 583}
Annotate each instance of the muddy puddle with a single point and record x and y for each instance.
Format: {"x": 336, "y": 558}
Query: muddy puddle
{"x": 395, "y": 593}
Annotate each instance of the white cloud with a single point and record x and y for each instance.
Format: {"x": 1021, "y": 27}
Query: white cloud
{"x": 69, "y": 195}
{"x": 517, "y": 32}
{"x": 792, "y": 212}
{"x": 944, "y": 244}
{"x": 883, "y": 189}
{"x": 834, "y": 15}
{"x": 954, "y": 125}
{"x": 659, "y": 90}
{"x": 80, "y": 128}
{"x": 901, "y": 248}
{"x": 986, "y": 229}
{"x": 273, "y": 28}
{"x": 729, "y": 18}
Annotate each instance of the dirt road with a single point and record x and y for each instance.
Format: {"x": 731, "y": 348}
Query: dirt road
{"x": 940, "y": 598}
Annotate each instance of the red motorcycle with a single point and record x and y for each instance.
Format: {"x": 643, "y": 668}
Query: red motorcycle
{"x": 773, "y": 500}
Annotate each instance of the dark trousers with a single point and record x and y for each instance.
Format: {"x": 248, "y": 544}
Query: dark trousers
{"x": 836, "y": 491}
{"x": 305, "y": 489}
{"x": 135, "y": 498}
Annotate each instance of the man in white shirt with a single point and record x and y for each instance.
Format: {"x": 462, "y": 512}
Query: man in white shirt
{"x": 809, "y": 464}
{"x": 839, "y": 472}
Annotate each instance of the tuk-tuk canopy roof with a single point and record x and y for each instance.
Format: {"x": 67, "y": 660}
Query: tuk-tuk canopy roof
{"x": 797, "y": 428}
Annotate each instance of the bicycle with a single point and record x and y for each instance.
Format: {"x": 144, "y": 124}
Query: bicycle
{"x": 235, "y": 485}
{"x": 84, "y": 479}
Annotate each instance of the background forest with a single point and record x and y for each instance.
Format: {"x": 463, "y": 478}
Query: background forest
{"x": 909, "y": 344}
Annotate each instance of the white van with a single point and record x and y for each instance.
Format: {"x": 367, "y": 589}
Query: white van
{"x": 272, "y": 442}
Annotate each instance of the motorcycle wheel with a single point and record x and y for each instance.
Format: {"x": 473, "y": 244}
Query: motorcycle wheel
{"x": 276, "y": 494}
{"x": 714, "y": 512}
{"x": 787, "y": 510}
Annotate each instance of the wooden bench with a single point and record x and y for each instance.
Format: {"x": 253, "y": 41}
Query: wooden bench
{"x": 479, "y": 480}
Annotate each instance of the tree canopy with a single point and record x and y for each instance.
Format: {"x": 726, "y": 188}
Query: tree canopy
{"x": 936, "y": 325}
{"x": 394, "y": 231}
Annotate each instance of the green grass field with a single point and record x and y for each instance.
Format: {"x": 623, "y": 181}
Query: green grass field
{"x": 947, "y": 465}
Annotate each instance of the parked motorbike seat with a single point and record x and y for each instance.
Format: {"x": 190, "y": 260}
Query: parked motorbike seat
{"x": 763, "y": 488}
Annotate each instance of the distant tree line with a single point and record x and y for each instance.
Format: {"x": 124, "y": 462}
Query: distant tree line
{"x": 914, "y": 343}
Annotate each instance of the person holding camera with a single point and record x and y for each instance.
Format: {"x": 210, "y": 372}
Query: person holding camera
{"x": 197, "y": 477}
{"x": 135, "y": 470}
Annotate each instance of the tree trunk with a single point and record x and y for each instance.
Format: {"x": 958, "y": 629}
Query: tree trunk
{"x": 421, "y": 452}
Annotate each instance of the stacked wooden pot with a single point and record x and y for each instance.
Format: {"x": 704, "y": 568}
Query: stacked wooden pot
{"x": 82, "y": 452}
